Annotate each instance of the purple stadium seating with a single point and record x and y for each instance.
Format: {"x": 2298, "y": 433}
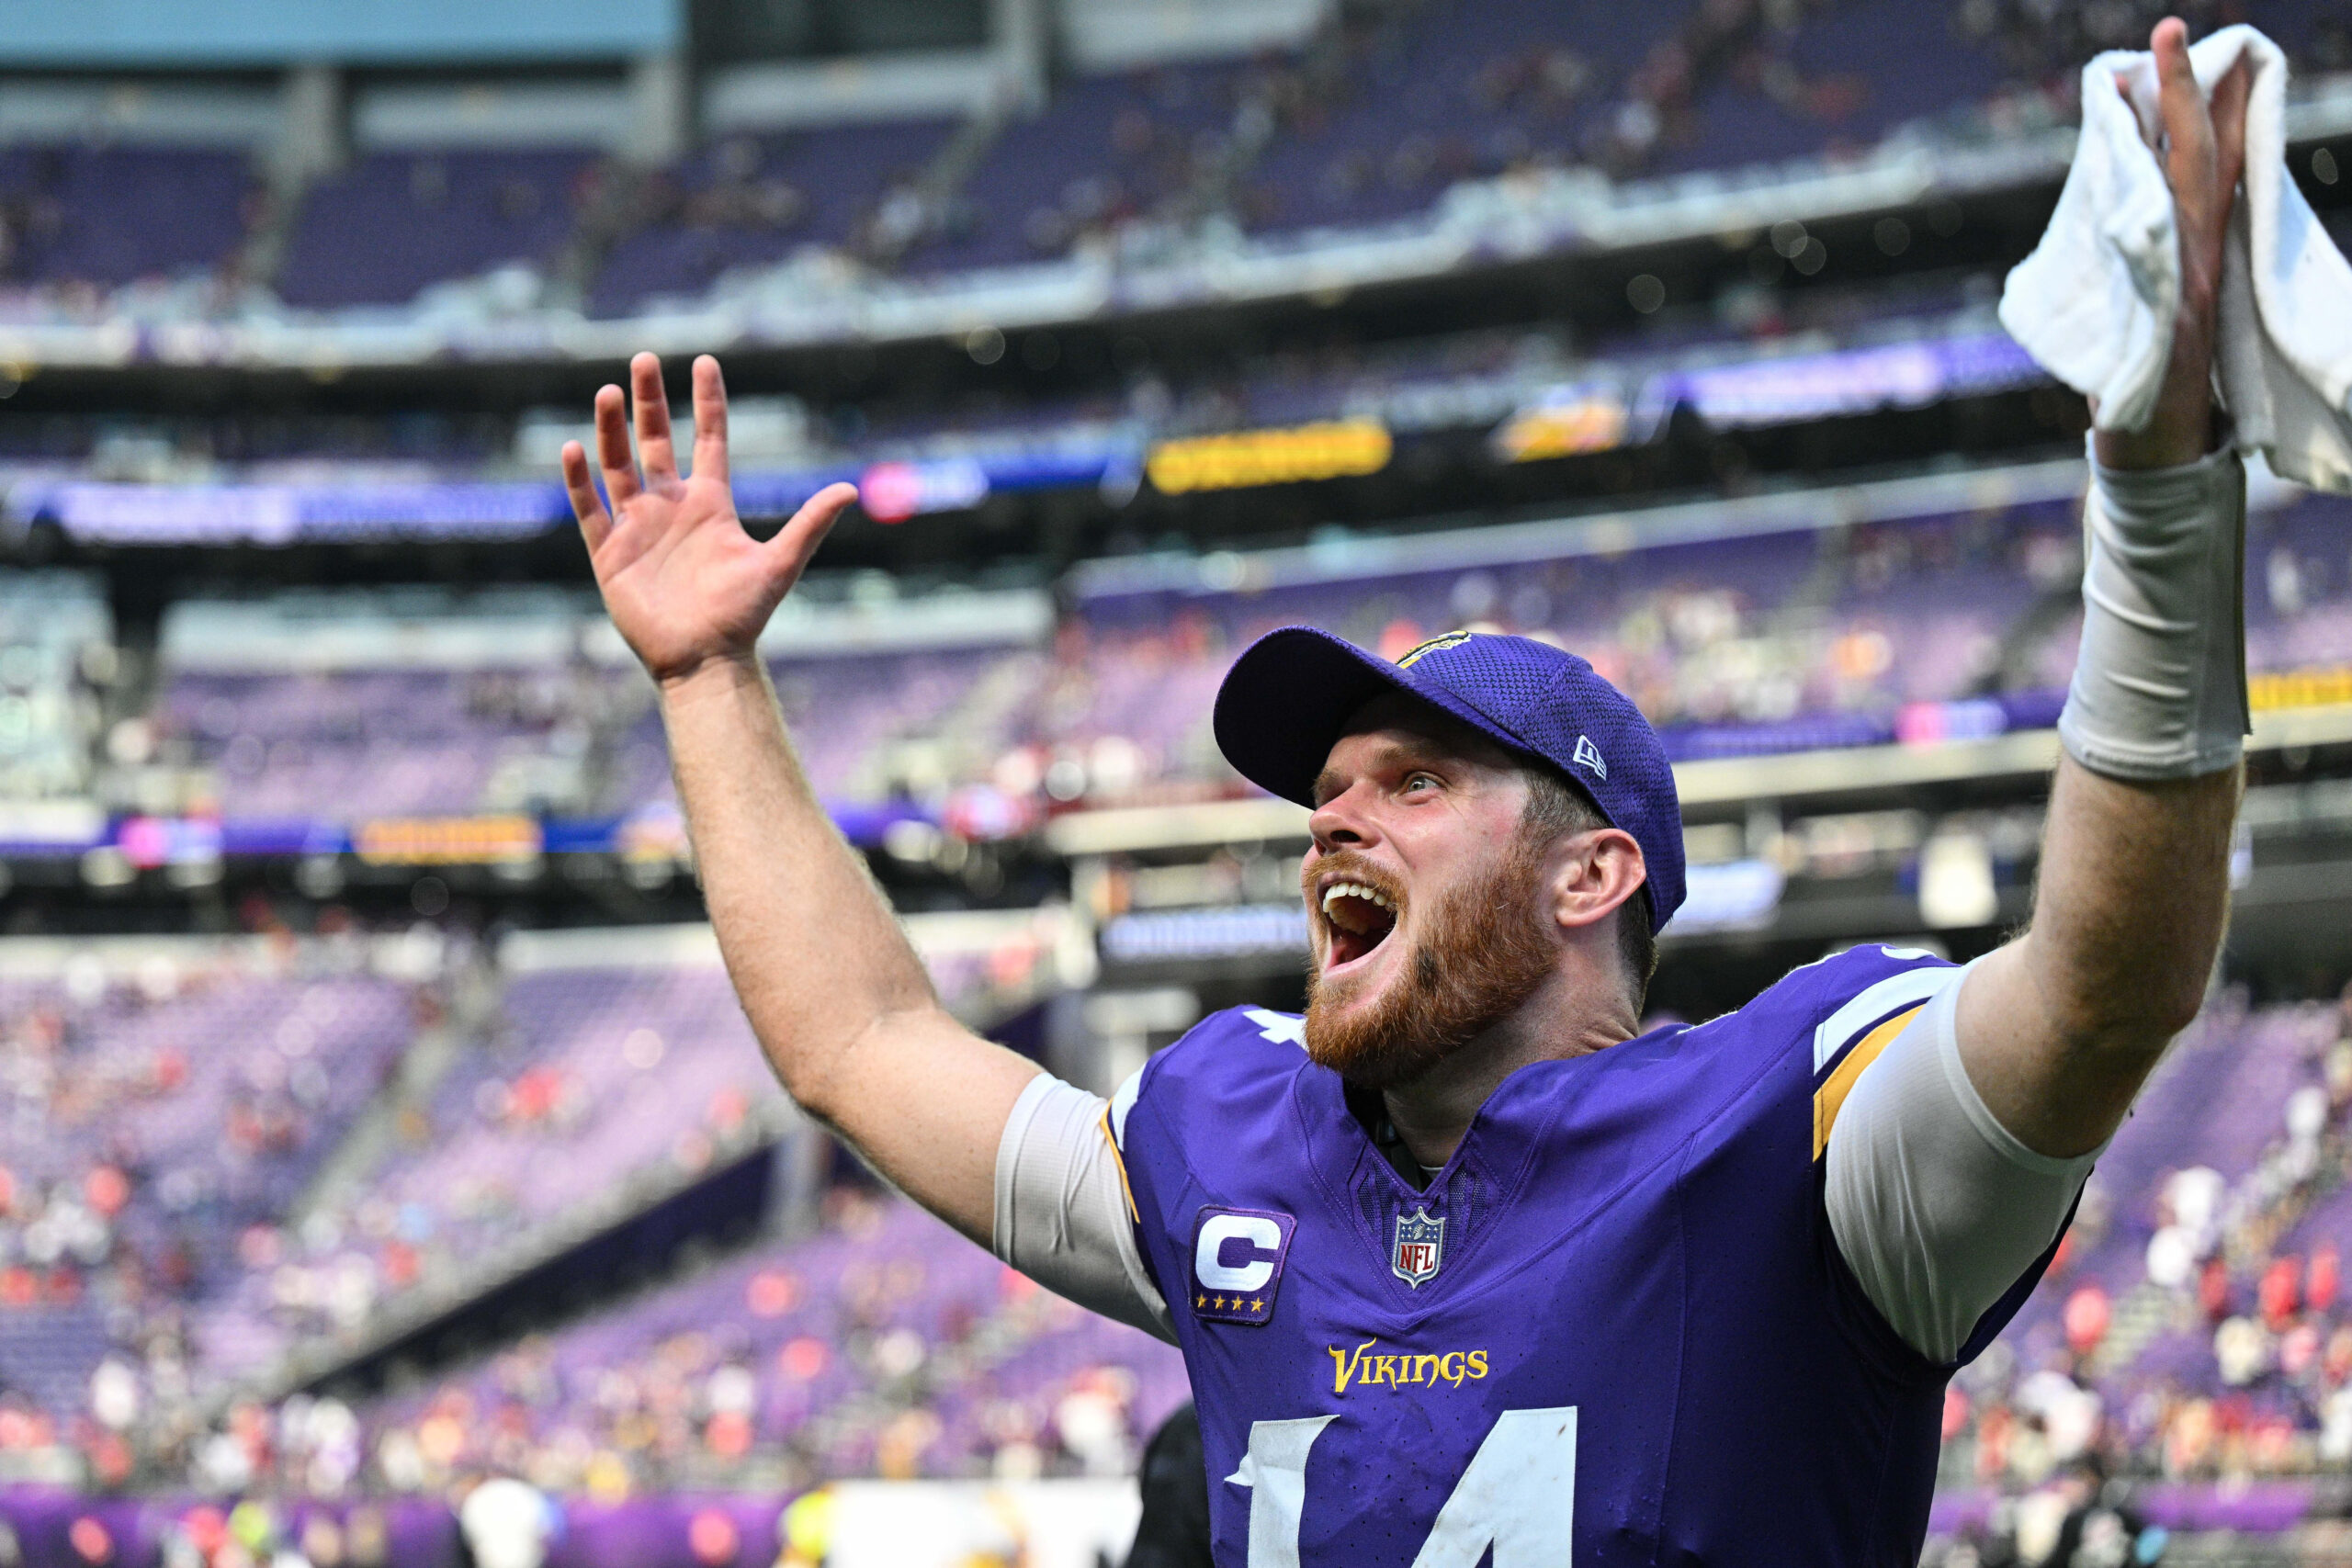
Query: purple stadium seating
{"x": 1775, "y": 642}
{"x": 1455, "y": 90}
{"x": 1107, "y": 149}
{"x": 1371, "y": 123}
{"x": 154, "y": 1127}
{"x": 351, "y": 745}
{"x": 846, "y": 713}
{"x": 752, "y": 202}
{"x": 395, "y": 222}
{"x": 2259, "y": 1280}
{"x": 885, "y": 1345}
{"x": 116, "y": 215}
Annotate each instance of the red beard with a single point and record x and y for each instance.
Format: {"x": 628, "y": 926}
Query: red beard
{"x": 1483, "y": 956}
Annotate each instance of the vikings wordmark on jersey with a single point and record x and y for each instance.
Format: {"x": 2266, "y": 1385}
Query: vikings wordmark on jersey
{"x": 1615, "y": 1318}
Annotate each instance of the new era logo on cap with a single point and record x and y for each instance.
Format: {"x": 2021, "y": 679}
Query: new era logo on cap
{"x": 1589, "y": 756}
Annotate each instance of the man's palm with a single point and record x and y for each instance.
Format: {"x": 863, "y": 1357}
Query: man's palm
{"x": 683, "y": 583}
{"x": 683, "y": 580}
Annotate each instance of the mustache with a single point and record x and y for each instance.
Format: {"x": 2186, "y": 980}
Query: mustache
{"x": 1351, "y": 866}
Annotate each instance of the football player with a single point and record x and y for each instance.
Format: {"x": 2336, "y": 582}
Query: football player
{"x": 1462, "y": 1261}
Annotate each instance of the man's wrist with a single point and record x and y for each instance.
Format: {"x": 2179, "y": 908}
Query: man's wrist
{"x": 2181, "y": 428}
{"x": 2163, "y": 445}
{"x": 717, "y": 675}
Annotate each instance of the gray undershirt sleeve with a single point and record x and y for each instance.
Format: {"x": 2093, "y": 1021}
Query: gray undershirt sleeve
{"x": 2159, "y": 689}
{"x": 1936, "y": 1207}
{"x": 1061, "y": 1207}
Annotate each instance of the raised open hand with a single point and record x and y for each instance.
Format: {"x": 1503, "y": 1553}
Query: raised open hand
{"x": 2202, "y": 147}
{"x": 687, "y": 587}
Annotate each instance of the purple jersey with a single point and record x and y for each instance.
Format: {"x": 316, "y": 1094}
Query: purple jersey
{"x": 1616, "y": 1318}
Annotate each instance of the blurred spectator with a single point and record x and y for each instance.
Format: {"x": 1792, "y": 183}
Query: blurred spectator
{"x": 508, "y": 1523}
{"x": 1173, "y": 1531}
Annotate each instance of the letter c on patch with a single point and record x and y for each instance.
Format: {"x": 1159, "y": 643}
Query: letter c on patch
{"x": 1236, "y": 1252}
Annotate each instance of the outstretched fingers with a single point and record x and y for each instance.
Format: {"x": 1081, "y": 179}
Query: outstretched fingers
{"x": 710, "y": 421}
{"x": 595, "y": 523}
{"x": 796, "y": 543}
{"x": 2188, "y": 124}
{"x": 612, "y": 447}
{"x": 2203, "y": 155}
{"x": 2228, "y": 111}
{"x": 652, "y": 401}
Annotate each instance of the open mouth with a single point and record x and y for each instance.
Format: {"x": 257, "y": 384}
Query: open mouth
{"x": 1358, "y": 918}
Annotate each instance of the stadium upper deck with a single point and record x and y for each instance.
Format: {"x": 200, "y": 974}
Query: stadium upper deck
{"x": 1396, "y": 142}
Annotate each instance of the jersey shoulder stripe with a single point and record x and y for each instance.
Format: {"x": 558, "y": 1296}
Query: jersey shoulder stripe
{"x": 1861, "y": 1014}
{"x": 1119, "y": 1163}
{"x": 1831, "y": 1096}
{"x": 1122, "y": 1100}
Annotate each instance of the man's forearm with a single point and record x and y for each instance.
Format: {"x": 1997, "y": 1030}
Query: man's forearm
{"x": 839, "y": 999}
{"x": 815, "y": 953}
{"x": 836, "y": 997}
{"x": 2064, "y": 1025}
{"x": 2134, "y": 895}
{"x": 2061, "y": 1026}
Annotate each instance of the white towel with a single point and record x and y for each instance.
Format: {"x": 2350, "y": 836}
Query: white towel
{"x": 2096, "y": 301}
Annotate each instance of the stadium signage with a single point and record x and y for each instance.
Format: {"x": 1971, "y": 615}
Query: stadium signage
{"x": 1163, "y": 935}
{"x": 42, "y": 827}
{"x": 446, "y": 840}
{"x": 1792, "y": 388}
{"x": 892, "y": 493}
{"x": 1335, "y": 449}
{"x": 1357, "y": 1366}
{"x": 279, "y": 515}
{"x": 148, "y": 842}
{"x": 1563, "y": 422}
{"x": 2326, "y": 687}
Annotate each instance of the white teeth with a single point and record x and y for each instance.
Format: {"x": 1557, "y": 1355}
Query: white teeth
{"x": 1339, "y": 890}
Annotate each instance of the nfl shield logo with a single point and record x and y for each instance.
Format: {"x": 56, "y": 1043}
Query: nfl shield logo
{"x": 1420, "y": 1247}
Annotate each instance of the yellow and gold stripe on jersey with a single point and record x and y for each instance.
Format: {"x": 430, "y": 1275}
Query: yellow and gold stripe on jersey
{"x": 1850, "y": 1039}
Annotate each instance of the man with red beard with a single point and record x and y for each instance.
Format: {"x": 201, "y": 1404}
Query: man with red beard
{"x": 1465, "y": 1264}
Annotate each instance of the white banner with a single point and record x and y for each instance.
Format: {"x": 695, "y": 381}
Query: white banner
{"x": 957, "y": 1524}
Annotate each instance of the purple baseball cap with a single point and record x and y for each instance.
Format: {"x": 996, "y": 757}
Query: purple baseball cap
{"x": 1288, "y": 699}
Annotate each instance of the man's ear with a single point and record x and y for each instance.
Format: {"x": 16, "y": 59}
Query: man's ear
{"x": 1595, "y": 872}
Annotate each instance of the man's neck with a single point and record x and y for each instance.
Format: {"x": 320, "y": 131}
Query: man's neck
{"x": 1432, "y": 1112}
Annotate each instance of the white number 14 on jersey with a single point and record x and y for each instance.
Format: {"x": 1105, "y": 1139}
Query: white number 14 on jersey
{"x": 1518, "y": 1496}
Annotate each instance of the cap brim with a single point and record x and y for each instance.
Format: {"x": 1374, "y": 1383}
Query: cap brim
{"x": 1287, "y": 701}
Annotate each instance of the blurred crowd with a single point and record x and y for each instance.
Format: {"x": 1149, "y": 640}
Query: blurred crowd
{"x": 168, "y": 1234}
{"x": 2194, "y": 1326}
{"x": 883, "y": 1346}
{"x": 161, "y": 1123}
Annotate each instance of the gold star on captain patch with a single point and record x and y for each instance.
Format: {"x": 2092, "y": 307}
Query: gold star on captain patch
{"x": 1220, "y": 1303}
{"x": 1258, "y": 1306}
{"x": 1201, "y": 1301}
